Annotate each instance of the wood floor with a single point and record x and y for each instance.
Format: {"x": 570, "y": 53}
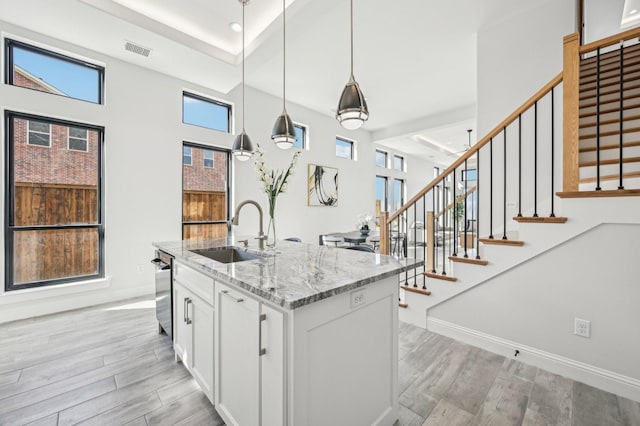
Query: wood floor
{"x": 109, "y": 366}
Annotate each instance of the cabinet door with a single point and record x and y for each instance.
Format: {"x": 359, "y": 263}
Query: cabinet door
{"x": 237, "y": 372}
{"x": 183, "y": 337}
{"x": 201, "y": 315}
{"x": 272, "y": 383}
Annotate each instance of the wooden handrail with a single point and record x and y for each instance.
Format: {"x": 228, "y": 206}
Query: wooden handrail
{"x": 482, "y": 142}
{"x": 611, "y": 40}
{"x": 458, "y": 199}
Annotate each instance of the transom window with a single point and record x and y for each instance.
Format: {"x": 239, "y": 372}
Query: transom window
{"x": 204, "y": 112}
{"x": 301, "y": 136}
{"x": 208, "y": 158}
{"x": 187, "y": 155}
{"x": 39, "y": 69}
{"x": 344, "y": 148}
{"x": 381, "y": 158}
{"x": 398, "y": 162}
{"x": 39, "y": 133}
{"x": 78, "y": 139}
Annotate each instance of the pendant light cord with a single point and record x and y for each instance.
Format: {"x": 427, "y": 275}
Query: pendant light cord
{"x": 284, "y": 57}
{"x": 351, "y": 15}
{"x": 244, "y": 3}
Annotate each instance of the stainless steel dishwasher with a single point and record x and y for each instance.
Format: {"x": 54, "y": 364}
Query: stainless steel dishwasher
{"x": 164, "y": 278}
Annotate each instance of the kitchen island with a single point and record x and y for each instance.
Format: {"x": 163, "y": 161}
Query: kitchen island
{"x": 297, "y": 335}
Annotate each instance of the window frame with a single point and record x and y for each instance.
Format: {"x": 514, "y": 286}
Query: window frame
{"x": 86, "y": 141}
{"x": 29, "y": 131}
{"x": 228, "y": 106}
{"x": 402, "y": 162}
{"x": 9, "y": 216}
{"x": 10, "y": 44}
{"x": 352, "y": 143}
{"x": 228, "y": 186}
{"x": 402, "y": 183}
{"x": 386, "y": 158}
{"x": 304, "y": 130}
{"x": 190, "y": 155}
{"x": 204, "y": 158}
{"x": 385, "y": 179}
{"x": 466, "y": 172}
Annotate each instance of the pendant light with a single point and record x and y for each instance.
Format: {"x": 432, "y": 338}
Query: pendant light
{"x": 242, "y": 147}
{"x": 352, "y": 107}
{"x": 283, "y": 133}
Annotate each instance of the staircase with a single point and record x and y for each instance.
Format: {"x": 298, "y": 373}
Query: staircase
{"x": 529, "y": 168}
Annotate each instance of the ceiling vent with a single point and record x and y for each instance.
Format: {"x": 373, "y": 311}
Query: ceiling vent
{"x": 136, "y": 48}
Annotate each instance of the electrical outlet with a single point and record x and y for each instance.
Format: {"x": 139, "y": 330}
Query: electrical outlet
{"x": 357, "y": 299}
{"x": 582, "y": 328}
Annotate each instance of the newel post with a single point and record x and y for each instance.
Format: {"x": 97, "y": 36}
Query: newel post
{"x": 384, "y": 233}
{"x": 571, "y": 112}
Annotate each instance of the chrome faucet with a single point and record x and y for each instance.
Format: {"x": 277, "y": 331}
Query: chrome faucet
{"x": 236, "y": 220}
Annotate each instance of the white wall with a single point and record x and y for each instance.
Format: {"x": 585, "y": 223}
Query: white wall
{"x": 143, "y": 171}
{"x": 601, "y": 19}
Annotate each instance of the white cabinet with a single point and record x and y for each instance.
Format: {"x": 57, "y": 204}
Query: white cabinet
{"x": 249, "y": 359}
{"x": 193, "y": 341}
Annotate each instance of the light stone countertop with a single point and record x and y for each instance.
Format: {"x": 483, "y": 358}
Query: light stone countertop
{"x": 293, "y": 274}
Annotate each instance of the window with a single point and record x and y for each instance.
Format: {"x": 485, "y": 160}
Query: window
{"x": 398, "y": 194}
{"x": 39, "y": 69}
{"x": 205, "y": 190}
{"x": 381, "y": 195}
{"x": 78, "y": 139}
{"x": 470, "y": 174}
{"x": 381, "y": 158}
{"x": 63, "y": 241}
{"x": 187, "y": 156}
{"x": 203, "y": 112}
{"x": 39, "y": 133}
{"x": 344, "y": 148}
{"x": 398, "y": 162}
{"x": 436, "y": 172}
{"x": 208, "y": 158}
{"x": 301, "y": 136}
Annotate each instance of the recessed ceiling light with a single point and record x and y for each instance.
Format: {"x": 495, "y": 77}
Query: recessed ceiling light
{"x": 235, "y": 27}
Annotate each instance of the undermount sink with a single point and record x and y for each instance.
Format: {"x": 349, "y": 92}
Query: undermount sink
{"x": 227, "y": 254}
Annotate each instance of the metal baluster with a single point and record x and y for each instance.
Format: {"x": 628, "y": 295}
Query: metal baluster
{"x": 491, "y": 188}
{"x": 477, "y": 204}
{"x": 519, "y": 165}
{"x": 444, "y": 222}
{"x": 553, "y": 131}
{"x": 504, "y": 186}
{"x": 455, "y": 222}
{"x": 424, "y": 232}
{"x": 598, "y": 120}
{"x": 621, "y": 186}
{"x": 415, "y": 247}
{"x": 535, "y": 159}
{"x": 466, "y": 179}
{"x": 433, "y": 237}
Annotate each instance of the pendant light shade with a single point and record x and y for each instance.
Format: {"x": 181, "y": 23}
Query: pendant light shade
{"x": 283, "y": 133}
{"x": 352, "y": 107}
{"x": 242, "y": 147}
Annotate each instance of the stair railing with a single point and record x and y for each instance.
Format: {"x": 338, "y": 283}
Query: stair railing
{"x": 425, "y": 227}
{"x": 589, "y": 60}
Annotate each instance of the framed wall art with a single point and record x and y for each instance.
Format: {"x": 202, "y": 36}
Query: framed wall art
{"x": 322, "y": 186}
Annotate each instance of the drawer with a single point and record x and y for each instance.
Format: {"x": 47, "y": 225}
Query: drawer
{"x": 200, "y": 284}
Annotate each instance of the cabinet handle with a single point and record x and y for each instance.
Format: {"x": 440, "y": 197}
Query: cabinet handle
{"x": 238, "y": 300}
{"x": 187, "y": 310}
{"x": 184, "y": 309}
{"x": 261, "y": 350}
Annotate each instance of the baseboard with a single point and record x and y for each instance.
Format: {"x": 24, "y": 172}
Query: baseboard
{"x": 609, "y": 381}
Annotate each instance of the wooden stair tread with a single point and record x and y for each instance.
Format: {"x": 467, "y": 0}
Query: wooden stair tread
{"x": 611, "y": 133}
{"x": 403, "y": 305}
{"x": 629, "y": 51}
{"x": 539, "y": 219}
{"x": 609, "y": 146}
{"x": 629, "y": 62}
{"x": 609, "y": 81}
{"x": 616, "y": 100}
{"x": 416, "y": 290}
{"x": 628, "y": 175}
{"x": 500, "y": 242}
{"x": 603, "y": 193}
{"x": 610, "y": 121}
{"x": 472, "y": 261}
{"x": 440, "y": 276}
{"x": 610, "y": 161}
{"x": 609, "y": 110}
{"x": 610, "y": 91}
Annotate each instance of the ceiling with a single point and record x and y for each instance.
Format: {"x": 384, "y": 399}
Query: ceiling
{"x": 415, "y": 59}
